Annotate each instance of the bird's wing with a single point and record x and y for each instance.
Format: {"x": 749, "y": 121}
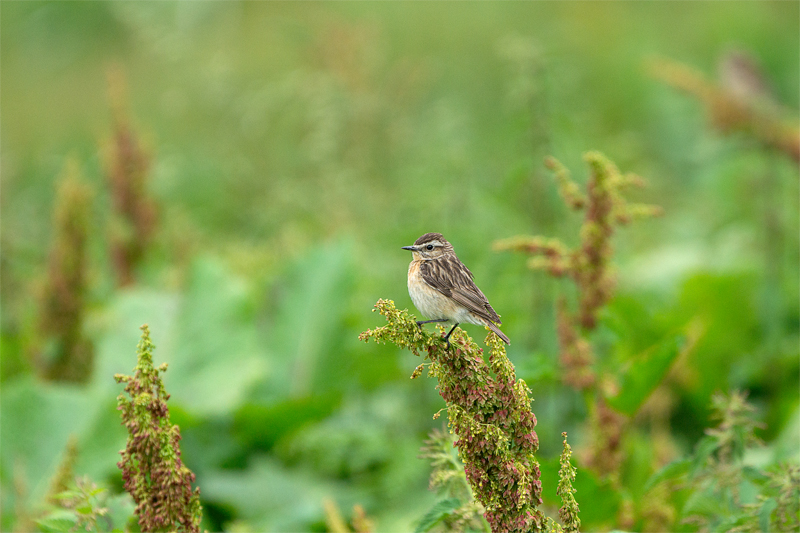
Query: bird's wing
{"x": 449, "y": 276}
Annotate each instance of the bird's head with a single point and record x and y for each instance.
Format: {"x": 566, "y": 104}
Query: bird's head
{"x": 430, "y": 246}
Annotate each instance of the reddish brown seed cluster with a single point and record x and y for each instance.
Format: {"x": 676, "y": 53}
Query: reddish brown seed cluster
{"x": 63, "y": 292}
{"x": 739, "y": 103}
{"x": 127, "y": 171}
{"x": 589, "y": 267}
{"x": 489, "y": 411}
{"x": 576, "y": 353}
{"x": 152, "y": 470}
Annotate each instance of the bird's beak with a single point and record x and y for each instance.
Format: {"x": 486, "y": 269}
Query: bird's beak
{"x": 408, "y": 248}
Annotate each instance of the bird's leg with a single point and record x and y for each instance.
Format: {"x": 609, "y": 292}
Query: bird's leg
{"x": 447, "y": 337}
{"x": 420, "y": 322}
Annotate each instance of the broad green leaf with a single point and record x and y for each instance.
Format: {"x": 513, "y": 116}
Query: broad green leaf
{"x": 100, "y": 444}
{"x": 643, "y": 374}
{"x": 671, "y": 471}
{"x": 754, "y": 474}
{"x": 437, "y": 513}
{"x": 765, "y": 513}
{"x": 218, "y": 355}
{"x": 356, "y": 440}
{"x": 725, "y": 524}
{"x": 208, "y": 337}
{"x": 38, "y": 419}
{"x": 118, "y": 333}
{"x": 725, "y": 305}
{"x": 85, "y": 509}
{"x": 308, "y": 323}
{"x": 785, "y": 445}
{"x": 260, "y": 426}
{"x": 704, "y": 503}
{"x": 58, "y": 521}
{"x": 120, "y": 511}
{"x": 272, "y": 497}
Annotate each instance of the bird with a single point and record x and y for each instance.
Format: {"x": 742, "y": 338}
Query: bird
{"x": 442, "y": 289}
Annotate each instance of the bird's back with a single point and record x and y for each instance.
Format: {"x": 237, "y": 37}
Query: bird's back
{"x": 450, "y": 277}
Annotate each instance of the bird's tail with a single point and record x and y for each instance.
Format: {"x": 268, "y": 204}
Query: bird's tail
{"x": 497, "y": 332}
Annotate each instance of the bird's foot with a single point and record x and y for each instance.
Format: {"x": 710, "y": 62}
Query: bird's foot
{"x": 447, "y": 337}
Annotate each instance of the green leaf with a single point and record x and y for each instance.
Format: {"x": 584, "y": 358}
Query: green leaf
{"x": 725, "y": 524}
{"x": 765, "y": 513}
{"x": 120, "y": 511}
{"x": 643, "y": 374}
{"x": 272, "y": 497}
{"x": 118, "y": 325}
{"x": 754, "y": 475}
{"x": 702, "y": 451}
{"x": 260, "y": 426}
{"x": 58, "y": 521}
{"x": 704, "y": 503}
{"x": 670, "y": 471}
{"x": 309, "y": 322}
{"x": 218, "y": 356}
{"x": 726, "y": 307}
{"x": 99, "y": 446}
{"x": 437, "y": 513}
{"x": 85, "y": 508}
{"x": 208, "y": 336}
{"x": 38, "y": 420}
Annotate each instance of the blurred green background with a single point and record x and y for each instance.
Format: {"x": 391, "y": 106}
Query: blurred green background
{"x": 297, "y": 146}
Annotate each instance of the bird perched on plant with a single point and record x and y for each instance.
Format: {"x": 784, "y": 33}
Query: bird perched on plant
{"x": 442, "y": 289}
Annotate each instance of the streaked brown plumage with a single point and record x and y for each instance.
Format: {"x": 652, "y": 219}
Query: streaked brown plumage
{"x": 442, "y": 288}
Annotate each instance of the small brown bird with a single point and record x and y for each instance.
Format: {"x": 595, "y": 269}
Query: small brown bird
{"x": 441, "y": 287}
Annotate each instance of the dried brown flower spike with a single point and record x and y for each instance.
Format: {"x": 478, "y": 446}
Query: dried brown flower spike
{"x": 63, "y": 353}
{"x": 127, "y": 170}
{"x": 489, "y": 411}
{"x": 152, "y": 469}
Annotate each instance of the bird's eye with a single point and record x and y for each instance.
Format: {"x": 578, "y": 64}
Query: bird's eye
{"x": 429, "y": 247}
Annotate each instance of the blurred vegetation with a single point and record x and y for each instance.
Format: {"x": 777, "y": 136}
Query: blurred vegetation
{"x": 609, "y": 395}
{"x": 244, "y": 187}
